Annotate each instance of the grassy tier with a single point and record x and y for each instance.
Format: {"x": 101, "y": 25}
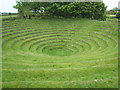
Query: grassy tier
{"x": 60, "y": 53}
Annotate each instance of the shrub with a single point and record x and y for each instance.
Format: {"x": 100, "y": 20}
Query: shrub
{"x": 118, "y": 15}
{"x": 91, "y": 10}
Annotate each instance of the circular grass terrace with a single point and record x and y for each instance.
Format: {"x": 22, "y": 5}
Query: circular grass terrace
{"x": 59, "y": 53}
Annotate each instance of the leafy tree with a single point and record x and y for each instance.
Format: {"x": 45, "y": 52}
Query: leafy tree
{"x": 23, "y": 9}
{"x": 116, "y": 9}
{"x": 112, "y": 12}
{"x": 26, "y": 8}
{"x": 92, "y": 10}
{"x": 118, "y": 15}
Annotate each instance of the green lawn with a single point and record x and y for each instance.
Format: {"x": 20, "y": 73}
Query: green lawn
{"x": 8, "y": 16}
{"x": 60, "y": 53}
{"x": 110, "y": 16}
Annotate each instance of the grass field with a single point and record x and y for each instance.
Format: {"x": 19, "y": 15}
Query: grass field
{"x": 8, "y": 16}
{"x": 109, "y": 15}
{"x": 60, "y": 53}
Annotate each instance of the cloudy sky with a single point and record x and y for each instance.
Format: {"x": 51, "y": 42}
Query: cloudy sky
{"x": 7, "y": 5}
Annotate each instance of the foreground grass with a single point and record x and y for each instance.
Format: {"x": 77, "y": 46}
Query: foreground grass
{"x": 60, "y": 53}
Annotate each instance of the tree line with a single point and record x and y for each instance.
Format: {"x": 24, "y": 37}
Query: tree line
{"x": 91, "y": 10}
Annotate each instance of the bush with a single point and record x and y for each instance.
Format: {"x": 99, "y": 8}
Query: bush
{"x": 118, "y": 15}
{"x": 91, "y": 10}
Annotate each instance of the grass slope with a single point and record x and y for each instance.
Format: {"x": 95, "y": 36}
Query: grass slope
{"x": 60, "y": 53}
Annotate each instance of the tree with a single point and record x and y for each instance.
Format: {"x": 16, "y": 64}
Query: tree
{"x": 23, "y": 9}
{"x": 116, "y": 9}
{"x": 26, "y": 8}
{"x": 118, "y": 15}
{"x": 92, "y": 10}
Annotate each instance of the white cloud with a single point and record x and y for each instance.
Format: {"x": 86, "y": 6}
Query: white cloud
{"x": 111, "y": 3}
{"x": 7, "y": 6}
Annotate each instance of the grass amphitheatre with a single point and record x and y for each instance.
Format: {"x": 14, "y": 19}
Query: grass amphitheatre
{"x": 60, "y": 53}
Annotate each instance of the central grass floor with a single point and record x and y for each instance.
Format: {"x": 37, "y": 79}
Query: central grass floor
{"x": 60, "y": 53}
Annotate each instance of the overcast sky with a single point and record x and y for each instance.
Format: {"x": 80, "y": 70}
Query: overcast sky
{"x": 7, "y": 5}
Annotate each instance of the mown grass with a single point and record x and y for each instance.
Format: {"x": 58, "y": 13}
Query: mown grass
{"x": 60, "y": 53}
{"x": 8, "y": 16}
{"x": 110, "y": 16}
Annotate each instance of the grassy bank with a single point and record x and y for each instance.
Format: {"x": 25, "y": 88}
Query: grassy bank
{"x": 60, "y": 53}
